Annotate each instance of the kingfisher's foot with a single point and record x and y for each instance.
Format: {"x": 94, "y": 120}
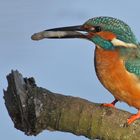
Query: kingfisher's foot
{"x": 111, "y": 104}
{"x": 133, "y": 118}
{"x": 108, "y": 105}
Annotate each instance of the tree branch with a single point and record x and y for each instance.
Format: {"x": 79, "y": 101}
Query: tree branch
{"x": 34, "y": 109}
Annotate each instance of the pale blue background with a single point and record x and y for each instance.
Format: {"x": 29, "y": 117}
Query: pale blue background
{"x": 63, "y": 66}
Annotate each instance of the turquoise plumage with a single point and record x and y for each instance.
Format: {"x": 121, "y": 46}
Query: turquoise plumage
{"x": 120, "y": 28}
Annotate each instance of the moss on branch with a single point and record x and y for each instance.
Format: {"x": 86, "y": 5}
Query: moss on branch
{"x": 34, "y": 109}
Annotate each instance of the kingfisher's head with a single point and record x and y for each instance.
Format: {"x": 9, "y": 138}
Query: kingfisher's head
{"x": 106, "y": 32}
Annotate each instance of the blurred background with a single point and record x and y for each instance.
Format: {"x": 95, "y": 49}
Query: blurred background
{"x": 62, "y": 66}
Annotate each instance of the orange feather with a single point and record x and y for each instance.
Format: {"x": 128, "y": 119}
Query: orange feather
{"x": 106, "y": 35}
{"x": 112, "y": 73}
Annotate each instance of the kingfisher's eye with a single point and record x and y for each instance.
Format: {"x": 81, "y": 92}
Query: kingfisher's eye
{"x": 98, "y": 29}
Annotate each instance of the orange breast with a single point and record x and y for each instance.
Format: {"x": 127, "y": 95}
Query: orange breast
{"x": 112, "y": 73}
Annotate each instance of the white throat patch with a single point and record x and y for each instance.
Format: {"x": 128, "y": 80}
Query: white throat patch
{"x": 117, "y": 42}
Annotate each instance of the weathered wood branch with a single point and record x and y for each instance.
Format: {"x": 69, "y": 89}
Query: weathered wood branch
{"x": 34, "y": 109}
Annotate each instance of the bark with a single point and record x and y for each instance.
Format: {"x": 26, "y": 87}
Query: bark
{"x": 34, "y": 109}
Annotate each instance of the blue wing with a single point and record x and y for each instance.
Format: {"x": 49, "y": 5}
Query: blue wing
{"x": 133, "y": 66}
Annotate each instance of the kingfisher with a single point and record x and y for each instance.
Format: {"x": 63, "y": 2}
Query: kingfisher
{"x": 116, "y": 56}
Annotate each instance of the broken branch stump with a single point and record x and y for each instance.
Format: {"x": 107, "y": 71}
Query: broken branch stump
{"x": 34, "y": 109}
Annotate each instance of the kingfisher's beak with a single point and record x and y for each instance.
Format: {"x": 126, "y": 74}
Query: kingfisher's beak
{"x": 62, "y": 32}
